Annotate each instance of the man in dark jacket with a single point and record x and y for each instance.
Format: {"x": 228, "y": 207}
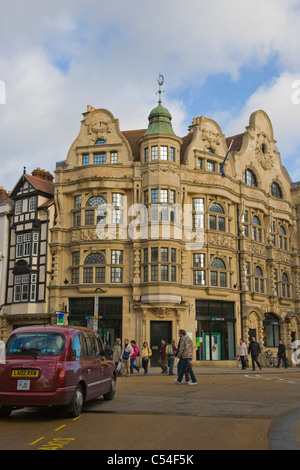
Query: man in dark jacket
{"x": 254, "y": 350}
{"x": 282, "y": 354}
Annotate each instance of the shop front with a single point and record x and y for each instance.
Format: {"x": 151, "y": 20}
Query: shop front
{"x": 81, "y": 313}
{"x": 215, "y": 338}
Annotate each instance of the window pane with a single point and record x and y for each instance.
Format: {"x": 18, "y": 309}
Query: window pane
{"x": 154, "y": 255}
{"x": 100, "y": 275}
{"x": 154, "y": 153}
{"x": 154, "y": 273}
{"x": 116, "y": 274}
{"x": 164, "y": 273}
{"x": 164, "y": 255}
{"x": 99, "y": 158}
{"x": 89, "y": 218}
{"x": 163, "y": 152}
{"x": 117, "y": 257}
{"x": 88, "y": 275}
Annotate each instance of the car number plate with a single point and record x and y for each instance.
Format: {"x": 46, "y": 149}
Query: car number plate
{"x": 25, "y": 373}
{"x": 23, "y": 385}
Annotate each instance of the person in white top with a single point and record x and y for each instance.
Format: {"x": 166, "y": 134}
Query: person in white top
{"x": 242, "y": 352}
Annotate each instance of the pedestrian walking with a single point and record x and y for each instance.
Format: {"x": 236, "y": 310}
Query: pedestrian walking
{"x": 127, "y": 351}
{"x": 117, "y": 350}
{"x": 242, "y": 352}
{"x": 185, "y": 352}
{"x": 254, "y": 350}
{"x": 163, "y": 361}
{"x": 282, "y": 354}
{"x": 170, "y": 351}
{"x": 146, "y": 353}
{"x": 180, "y": 366}
{"x": 134, "y": 356}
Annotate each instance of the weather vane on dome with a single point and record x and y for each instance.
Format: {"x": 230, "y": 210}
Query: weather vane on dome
{"x": 160, "y": 82}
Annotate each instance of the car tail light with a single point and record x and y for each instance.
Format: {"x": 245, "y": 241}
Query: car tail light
{"x": 61, "y": 376}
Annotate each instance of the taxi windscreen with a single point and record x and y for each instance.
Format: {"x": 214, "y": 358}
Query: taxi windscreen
{"x": 35, "y": 344}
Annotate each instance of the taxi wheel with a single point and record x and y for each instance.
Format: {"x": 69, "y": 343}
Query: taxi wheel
{"x": 110, "y": 395}
{"x": 5, "y": 411}
{"x": 75, "y": 407}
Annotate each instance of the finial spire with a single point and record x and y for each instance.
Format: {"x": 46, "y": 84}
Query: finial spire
{"x": 160, "y": 82}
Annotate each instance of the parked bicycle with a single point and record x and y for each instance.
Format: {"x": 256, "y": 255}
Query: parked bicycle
{"x": 269, "y": 359}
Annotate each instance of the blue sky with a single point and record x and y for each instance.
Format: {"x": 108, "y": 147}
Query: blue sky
{"x": 220, "y": 59}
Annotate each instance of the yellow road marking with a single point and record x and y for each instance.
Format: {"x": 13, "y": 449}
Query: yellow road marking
{"x": 77, "y": 418}
{"x": 57, "y": 429}
{"x": 36, "y": 441}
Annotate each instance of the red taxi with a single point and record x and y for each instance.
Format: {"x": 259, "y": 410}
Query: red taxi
{"x": 61, "y": 366}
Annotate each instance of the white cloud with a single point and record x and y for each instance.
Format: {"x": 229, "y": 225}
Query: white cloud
{"x": 276, "y": 100}
{"x": 57, "y": 57}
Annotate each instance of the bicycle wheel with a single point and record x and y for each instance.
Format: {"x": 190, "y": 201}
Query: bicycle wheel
{"x": 275, "y": 361}
{"x": 267, "y": 361}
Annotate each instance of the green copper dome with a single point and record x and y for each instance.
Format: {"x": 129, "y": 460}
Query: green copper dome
{"x": 160, "y": 121}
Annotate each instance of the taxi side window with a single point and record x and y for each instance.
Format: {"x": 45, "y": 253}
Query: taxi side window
{"x": 99, "y": 347}
{"x": 77, "y": 348}
{"x": 90, "y": 346}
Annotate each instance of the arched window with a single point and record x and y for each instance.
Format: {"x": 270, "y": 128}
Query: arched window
{"x": 285, "y": 286}
{"x": 95, "y": 201}
{"x": 282, "y": 237}
{"x": 218, "y": 275}
{"x": 91, "y": 215}
{"x": 256, "y": 229}
{"x": 250, "y": 178}
{"x": 258, "y": 280}
{"x": 217, "y": 222}
{"x": 94, "y": 258}
{"x": 276, "y": 190}
{"x": 100, "y": 142}
{"x": 92, "y": 272}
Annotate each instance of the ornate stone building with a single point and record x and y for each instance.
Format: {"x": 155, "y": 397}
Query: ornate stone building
{"x": 147, "y": 221}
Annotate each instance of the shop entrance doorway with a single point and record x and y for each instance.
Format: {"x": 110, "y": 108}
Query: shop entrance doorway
{"x": 159, "y": 330}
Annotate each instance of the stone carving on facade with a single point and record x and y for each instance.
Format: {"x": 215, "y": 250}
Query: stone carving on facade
{"x": 257, "y": 249}
{"x": 88, "y": 234}
{"x": 75, "y": 236}
{"x": 98, "y": 130}
{"x": 262, "y": 151}
{"x": 164, "y": 168}
{"x": 284, "y": 257}
{"x": 212, "y": 140}
{"x": 221, "y": 240}
{"x": 136, "y": 266}
{"x": 161, "y": 312}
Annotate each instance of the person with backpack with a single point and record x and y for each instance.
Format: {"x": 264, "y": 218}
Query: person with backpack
{"x": 127, "y": 351}
{"x": 146, "y": 354}
{"x": 171, "y": 351}
{"x": 134, "y": 356}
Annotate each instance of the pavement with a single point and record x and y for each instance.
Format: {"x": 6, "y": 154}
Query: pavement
{"x": 284, "y": 432}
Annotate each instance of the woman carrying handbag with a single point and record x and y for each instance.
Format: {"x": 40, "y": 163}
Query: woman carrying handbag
{"x": 146, "y": 354}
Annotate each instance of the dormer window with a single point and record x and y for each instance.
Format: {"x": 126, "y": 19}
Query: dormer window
{"x": 211, "y": 166}
{"x": 250, "y": 178}
{"x": 276, "y": 190}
